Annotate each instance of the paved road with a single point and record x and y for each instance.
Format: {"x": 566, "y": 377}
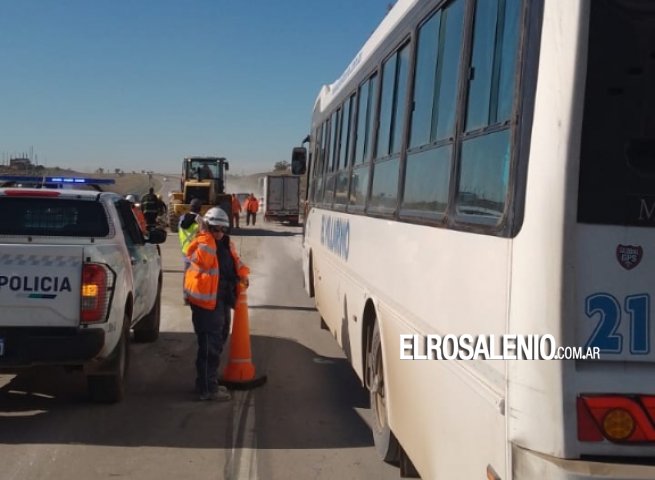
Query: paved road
{"x": 309, "y": 421}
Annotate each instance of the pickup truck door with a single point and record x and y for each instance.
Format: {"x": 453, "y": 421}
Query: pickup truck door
{"x": 139, "y": 259}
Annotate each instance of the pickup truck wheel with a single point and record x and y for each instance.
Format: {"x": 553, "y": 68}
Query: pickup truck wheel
{"x": 147, "y": 330}
{"x": 110, "y": 387}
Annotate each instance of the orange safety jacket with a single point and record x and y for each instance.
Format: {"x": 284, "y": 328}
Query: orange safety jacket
{"x": 236, "y": 206}
{"x": 141, "y": 219}
{"x": 201, "y": 278}
{"x": 253, "y": 205}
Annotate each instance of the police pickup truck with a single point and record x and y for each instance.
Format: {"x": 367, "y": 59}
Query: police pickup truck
{"x": 76, "y": 275}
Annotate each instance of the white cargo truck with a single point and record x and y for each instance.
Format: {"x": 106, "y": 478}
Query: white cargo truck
{"x": 281, "y": 198}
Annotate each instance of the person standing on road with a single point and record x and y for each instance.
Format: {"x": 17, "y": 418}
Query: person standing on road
{"x": 140, "y": 218}
{"x": 236, "y": 210}
{"x": 210, "y": 285}
{"x": 150, "y": 207}
{"x": 252, "y": 206}
{"x": 186, "y": 231}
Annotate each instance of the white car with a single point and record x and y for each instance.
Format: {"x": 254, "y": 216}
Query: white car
{"x": 76, "y": 274}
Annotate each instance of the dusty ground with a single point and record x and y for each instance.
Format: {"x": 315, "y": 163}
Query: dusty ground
{"x": 136, "y": 183}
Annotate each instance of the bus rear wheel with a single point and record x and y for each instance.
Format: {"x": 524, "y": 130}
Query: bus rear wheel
{"x": 385, "y": 441}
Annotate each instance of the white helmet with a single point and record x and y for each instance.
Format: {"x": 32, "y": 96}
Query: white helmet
{"x": 216, "y": 216}
{"x": 130, "y": 198}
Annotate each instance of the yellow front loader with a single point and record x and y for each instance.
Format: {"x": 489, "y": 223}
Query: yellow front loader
{"x": 202, "y": 178}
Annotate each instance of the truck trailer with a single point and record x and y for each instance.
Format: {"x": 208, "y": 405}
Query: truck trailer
{"x": 281, "y": 198}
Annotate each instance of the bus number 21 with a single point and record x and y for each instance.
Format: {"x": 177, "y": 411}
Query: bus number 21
{"x": 608, "y": 308}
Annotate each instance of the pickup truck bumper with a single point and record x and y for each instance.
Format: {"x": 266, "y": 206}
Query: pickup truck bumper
{"x": 23, "y": 347}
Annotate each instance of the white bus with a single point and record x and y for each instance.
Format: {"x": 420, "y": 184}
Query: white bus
{"x": 488, "y": 168}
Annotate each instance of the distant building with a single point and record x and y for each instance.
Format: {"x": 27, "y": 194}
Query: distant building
{"x": 20, "y": 163}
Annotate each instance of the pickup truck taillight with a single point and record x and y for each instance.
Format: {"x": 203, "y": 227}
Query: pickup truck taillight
{"x": 95, "y": 295}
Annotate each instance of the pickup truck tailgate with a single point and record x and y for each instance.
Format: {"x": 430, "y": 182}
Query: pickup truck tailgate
{"x": 40, "y": 285}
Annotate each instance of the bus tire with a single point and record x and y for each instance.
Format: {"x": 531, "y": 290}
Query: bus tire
{"x": 385, "y": 441}
{"x": 312, "y": 276}
{"x": 407, "y": 468}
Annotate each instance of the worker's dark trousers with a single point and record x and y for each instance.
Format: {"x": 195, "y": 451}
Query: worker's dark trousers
{"x": 151, "y": 218}
{"x": 254, "y": 217}
{"x": 236, "y": 220}
{"x": 212, "y": 328}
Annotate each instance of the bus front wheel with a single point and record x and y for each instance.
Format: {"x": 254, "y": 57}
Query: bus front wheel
{"x": 385, "y": 441}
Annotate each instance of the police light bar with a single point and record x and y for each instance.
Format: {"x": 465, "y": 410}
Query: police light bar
{"x": 94, "y": 181}
{"x": 57, "y": 180}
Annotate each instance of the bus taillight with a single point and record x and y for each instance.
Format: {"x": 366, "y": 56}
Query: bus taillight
{"x": 620, "y": 419}
{"x": 588, "y": 431}
{"x": 618, "y": 424}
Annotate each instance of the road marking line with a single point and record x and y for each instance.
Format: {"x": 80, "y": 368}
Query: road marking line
{"x": 242, "y": 461}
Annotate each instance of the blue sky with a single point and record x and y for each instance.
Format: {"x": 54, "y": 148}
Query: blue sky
{"x": 139, "y": 84}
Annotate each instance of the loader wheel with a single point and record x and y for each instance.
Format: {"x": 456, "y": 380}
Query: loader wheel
{"x": 173, "y": 222}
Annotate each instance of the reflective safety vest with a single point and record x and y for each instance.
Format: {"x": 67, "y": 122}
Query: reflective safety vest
{"x": 150, "y": 203}
{"x": 141, "y": 220}
{"x": 186, "y": 235}
{"x": 201, "y": 278}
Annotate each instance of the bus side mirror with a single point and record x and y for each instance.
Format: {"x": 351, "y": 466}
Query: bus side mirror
{"x": 299, "y": 160}
{"x": 227, "y": 166}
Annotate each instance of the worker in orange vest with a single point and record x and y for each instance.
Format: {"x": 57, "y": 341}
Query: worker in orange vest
{"x": 252, "y": 207}
{"x": 236, "y": 210}
{"x": 138, "y": 214}
{"x": 210, "y": 285}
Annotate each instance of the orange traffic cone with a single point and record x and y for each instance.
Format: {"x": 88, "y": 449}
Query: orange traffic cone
{"x": 239, "y": 372}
